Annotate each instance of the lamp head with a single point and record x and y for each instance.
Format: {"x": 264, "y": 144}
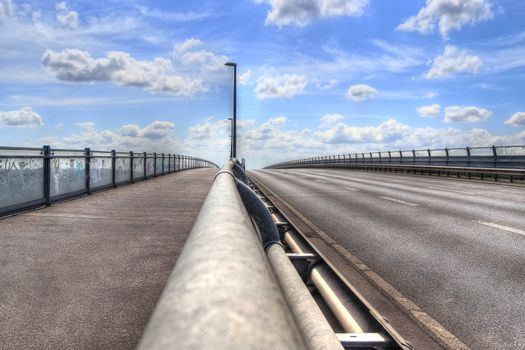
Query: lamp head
{"x": 230, "y": 64}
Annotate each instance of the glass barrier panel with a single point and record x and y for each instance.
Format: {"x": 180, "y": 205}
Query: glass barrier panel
{"x": 375, "y": 155}
{"x": 510, "y": 150}
{"x": 149, "y": 166}
{"x": 384, "y": 155}
{"x": 422, "y": 153}
{"x": 67, "y": 175}
{"x": 138, "y": 168}
{"x": 407, "y": 154}
{"x": 481, "y": 151}
{"x": 457, "y": 152}
{"x": 438, "y": 153}
{"x": 21, "y": 180}
{"x": 122, "y": 170}
{"x": 158, "y": 165}
{"x": 100, "y": 172}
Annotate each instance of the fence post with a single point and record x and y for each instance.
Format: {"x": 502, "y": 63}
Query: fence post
{"x": 429, "y": 156}
{"x": 169, "y": 163}
{"x": 145, "y": 168}
{"x": 87, "y": 153}
{"x": 46, "y": 152}
{"x": 154, "y": 164}
{"x": 446, "y": 153}
{"x": 131, "y": 167}
{"x": 495, "y": 154}
{"x": 468, "y": 157}
{"x": 113, "y": 167}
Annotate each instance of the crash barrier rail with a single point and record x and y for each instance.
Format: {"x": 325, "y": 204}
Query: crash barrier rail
{"x": 31, "y": 177}
{"x": 495, "y": 162}
{"x": 235, "y": 287}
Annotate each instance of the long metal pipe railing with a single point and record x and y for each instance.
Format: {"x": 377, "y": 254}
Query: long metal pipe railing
{"x": 222, "y": 293}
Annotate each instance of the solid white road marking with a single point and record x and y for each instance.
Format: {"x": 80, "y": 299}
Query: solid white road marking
{"x": 398, "y": 201}
{"x": 351, "y": 189}
{"x": 501, "y": 227}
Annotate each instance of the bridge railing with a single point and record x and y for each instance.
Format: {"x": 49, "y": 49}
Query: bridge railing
{"x": 31, "y": 177}
{"x": 487, "y": 157}
{"x": 494, "y": 161}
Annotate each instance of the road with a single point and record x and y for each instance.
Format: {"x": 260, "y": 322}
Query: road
{"x": 455, "y": 248}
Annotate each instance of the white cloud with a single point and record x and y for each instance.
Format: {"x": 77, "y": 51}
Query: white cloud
{"x": 73, "y": 65}
{"x": 327, "y": 85}
{"x": 154, "y": 137}
{"x": 330, "y": 120}
{"x": 23, "y": 118}
{"x": 287, "y": 85}
{"x": 453, "y": 61}
{"x": 518, "y": 119}
{"x": 448, "y": 15}
{"x": 6, "y": 9}
{"x": 245, "y": 77}
{"x": 66, "y": 17}
{"x": 189, "y": 52}
{"x": 172, "y": 16}
{"x": 466, "y": 114}
{"x": 302, "y": 12}
{"x": 361, "y": 92}
{"x": 429, "y": 111}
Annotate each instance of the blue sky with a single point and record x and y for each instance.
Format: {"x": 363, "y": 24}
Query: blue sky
{"x": 316, "y": 76}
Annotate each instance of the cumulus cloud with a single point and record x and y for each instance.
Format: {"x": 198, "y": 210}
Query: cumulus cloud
{"x": 66, "y": 17}
{"x": 190, "y": 52}
{"x": 448, "y": 15}
{"x": 429, "y": 111}
{"x": 245, "y": 77}
{"x": 518, "y": 119}
{"x": 302, "y": 12}
{"x": 22, "y": 118}
{"x": 154, "y": 137}
{"x": 73, "y": 65}
{"x": 466, "y": 114}
{"x": 330, "y": 120}
{"x": 453, "y": 61}
{"x": 287, "y": 85}
{"x": 360, "y": 92}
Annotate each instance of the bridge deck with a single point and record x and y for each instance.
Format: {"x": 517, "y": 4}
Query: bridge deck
{"x": 86, "y": 274}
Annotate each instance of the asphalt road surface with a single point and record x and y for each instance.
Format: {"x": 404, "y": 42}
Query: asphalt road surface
{"x": 453, "y": 247}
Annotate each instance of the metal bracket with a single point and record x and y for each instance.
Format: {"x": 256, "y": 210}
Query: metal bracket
{"x": 362, "y": 340}
{"x": 303, "y": 263}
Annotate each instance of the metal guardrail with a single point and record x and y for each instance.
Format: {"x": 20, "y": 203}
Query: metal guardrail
{"x": 31, "y": 177}
{"x": 496, "y": 162}
{"x": 234, "y": 286}
{"x": 222, "y": 293}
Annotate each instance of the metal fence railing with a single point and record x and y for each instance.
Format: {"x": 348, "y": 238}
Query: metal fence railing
{"x": 486, "y": 157}
{"x": 31, "y": 177}
{"x": 495, "y": 162}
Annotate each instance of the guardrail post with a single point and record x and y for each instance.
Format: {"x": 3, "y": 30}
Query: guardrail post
{"x": 46, "y": 152}
{"x": 468, "y": 158}
{"x": 87, "y": 153}
{"x": 154, "y": 164}
{"x": 429, "y": 157}
{"x": 131, "y": 167}
{"x": 446, "y": 153}
{"x": 163, "y": 164}
{"x": 390, "y": 159}
{"x": 113, "y": 167}
{"x": 145, "y": 167}
{"x": 495, "y": 153}
{"x": 169, "y": 163}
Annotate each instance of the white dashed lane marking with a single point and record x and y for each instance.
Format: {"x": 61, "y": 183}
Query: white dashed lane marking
{"x": 399, "y": 201}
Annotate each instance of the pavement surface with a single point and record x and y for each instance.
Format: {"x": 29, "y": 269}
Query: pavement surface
{"x": 455, "y": 248}
{"x": 86, "y": 274}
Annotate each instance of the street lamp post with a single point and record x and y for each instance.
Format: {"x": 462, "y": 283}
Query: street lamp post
{"x": 231, "y": 137}
{"x": 234, "y": 132}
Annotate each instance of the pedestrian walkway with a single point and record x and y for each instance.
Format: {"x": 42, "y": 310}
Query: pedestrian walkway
{"x": 86, "y": 274}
